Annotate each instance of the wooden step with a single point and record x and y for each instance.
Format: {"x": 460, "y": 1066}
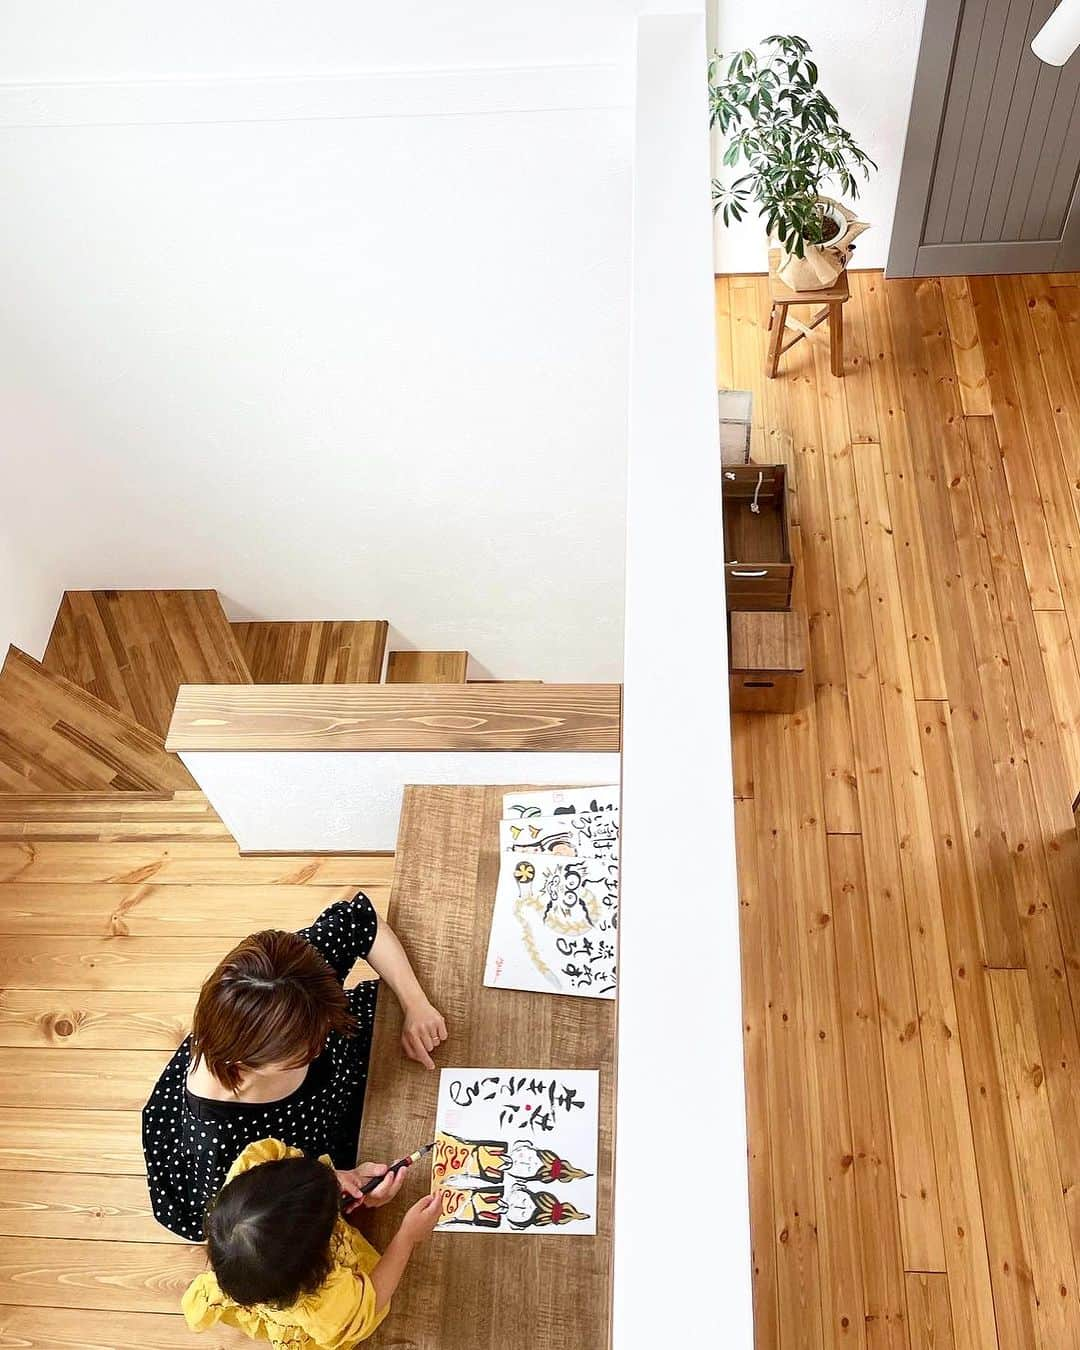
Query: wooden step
{"x": 133, "y": 649}
{"x": 337, "y": 651}
{"x": 55, "y": 737}
{"x": 427, "y": 667}
{"x": 106, "y": 807}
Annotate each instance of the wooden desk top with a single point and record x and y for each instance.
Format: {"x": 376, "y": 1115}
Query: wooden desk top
{"x": 479, "y": 1291}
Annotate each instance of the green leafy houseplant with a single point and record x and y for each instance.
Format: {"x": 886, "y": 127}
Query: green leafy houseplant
{"x": 790, "y": 136}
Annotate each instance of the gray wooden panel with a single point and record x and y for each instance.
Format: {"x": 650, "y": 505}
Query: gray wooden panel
{"x": 993, "y": 148}
{"x": 960, "y": 260}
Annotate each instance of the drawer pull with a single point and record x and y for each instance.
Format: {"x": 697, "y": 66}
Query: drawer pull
{"x": 763, "y": 573}
{"x": 758, "y": 684}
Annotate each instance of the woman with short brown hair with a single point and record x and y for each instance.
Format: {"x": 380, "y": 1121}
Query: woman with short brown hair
{"x": 279, "y": 1049}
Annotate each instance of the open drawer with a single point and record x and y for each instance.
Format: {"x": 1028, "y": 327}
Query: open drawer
{"x": 757, "y": 543}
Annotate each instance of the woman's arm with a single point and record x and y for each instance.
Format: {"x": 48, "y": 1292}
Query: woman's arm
{"x": 424, "y": 1029}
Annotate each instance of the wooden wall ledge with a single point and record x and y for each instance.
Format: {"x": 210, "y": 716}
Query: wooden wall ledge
{"x": 396, "y": 717}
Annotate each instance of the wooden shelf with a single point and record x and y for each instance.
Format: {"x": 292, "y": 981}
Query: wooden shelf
{"x": 396, "y": 717}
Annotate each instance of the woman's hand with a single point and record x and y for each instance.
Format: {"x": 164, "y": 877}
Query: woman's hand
{"x": 352, "y": 1181}
{"x": 421, "y": 1218}
{"x": 424, "y": 1031}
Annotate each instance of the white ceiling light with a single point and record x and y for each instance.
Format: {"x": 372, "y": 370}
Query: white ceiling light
{"x": 1059, "y": 36}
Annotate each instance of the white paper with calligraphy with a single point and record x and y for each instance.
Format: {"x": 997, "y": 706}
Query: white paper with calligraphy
{"x": 571, "y": 801}
{"x": 595, "y": 835}
{"x": 554, "y": 925}
{"x": 516, "y": 1150}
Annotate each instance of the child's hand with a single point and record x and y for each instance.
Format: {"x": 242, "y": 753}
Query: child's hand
{"x": 424, "y": 1031}
{"x": 357, "y": 1177}
{"x": 421, "y": 1218}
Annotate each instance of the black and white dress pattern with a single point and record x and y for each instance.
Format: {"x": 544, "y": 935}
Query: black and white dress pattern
{"x": 190, "y": 1143}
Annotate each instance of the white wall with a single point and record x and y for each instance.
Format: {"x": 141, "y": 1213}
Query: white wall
{"x": 680, "y": 1003}
{"x": 262, "y": 335}
{"x": 28, "y": 592}
{"x": 866, "y": 55}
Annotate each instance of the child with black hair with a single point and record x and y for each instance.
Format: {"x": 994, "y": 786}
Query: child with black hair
{"x": 285, "y": 1266}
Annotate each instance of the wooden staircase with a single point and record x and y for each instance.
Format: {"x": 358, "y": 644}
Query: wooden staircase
{"x": 92, "y": 715}
{"x": 134, "y": 649}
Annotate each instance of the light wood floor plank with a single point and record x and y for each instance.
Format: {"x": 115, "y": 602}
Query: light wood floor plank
{"x": 54, "y": 1140}
{"x": 891, "y": 349}
{"x": 1063, "y": 682}
{"x": 33, "y": 1328}
{"x": 967, "y": 354}
{"x": 157, "y": 911}
{"x": 95, "y": 1019}
{"x": 205, "y": 863}
{"x": 99, "y": 1208}
{"x": 1052, "y": 1265}
{"x": 76, "y": 963}
{"x": 1025, "y": 479}
{"x": 875, "y": 1178}
{"x": 800, "y": 1283}
{"x": 930, "y": 1312}
{"x": 108, "y": 1276}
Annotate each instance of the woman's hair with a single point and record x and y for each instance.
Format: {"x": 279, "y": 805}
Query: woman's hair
{"x": 548, "y": 1211}
{"x": 268, "y": 1231}
{"x": 271, "y": 1001}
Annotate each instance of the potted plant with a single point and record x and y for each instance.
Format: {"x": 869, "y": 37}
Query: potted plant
{"x": 790, "y": 136}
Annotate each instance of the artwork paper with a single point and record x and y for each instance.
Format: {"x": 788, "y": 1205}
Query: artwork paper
{"x": 554, "y": 924}
{"x": 572, "y": 801}
{"x": 516, "y": 1150}
{"x": 595, "y": 835}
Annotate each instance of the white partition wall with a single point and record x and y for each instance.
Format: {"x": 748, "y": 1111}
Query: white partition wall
{"x": 682, "y": 1239}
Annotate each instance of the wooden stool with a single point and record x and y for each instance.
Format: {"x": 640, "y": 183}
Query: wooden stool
{"x": 783, "y": 297}
{"x": 767, "y": 655}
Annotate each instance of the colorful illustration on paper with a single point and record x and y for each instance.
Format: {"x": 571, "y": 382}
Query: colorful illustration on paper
{"x": 521, "y": 1155}
{"x": 554, "y": 925}
{"x": 592, "y": 835}
{"x": 572, "y": 801}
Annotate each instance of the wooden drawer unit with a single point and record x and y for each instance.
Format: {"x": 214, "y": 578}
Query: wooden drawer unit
{"x": 757, "y": 546}
{"x": 767, "y": 659}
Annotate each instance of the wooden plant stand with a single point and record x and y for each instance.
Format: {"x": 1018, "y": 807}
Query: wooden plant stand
{"x": 832, "y": 303}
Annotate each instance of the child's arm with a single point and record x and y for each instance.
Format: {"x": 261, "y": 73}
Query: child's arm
{"x": 417, "y": 1224}
{"x": 424, "y": 1029}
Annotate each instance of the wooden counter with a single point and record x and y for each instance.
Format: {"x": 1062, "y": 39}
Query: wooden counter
{"x": 480, "y": 1291}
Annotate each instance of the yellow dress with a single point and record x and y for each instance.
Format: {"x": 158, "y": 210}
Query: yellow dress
{"x": 338, "y": 1315}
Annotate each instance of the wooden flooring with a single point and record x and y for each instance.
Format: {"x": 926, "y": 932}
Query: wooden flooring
{"x": 113, "y": 908}
{"x": 133, "y": 649}
{"x": 909, "y": 867}
{"x": 331, "y": 652}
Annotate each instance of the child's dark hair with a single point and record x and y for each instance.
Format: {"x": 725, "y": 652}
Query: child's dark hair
{"x": 268, "y": 1231}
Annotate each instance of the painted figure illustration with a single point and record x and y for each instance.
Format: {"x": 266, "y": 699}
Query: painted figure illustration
{"x": 478, "y": 1160}
{"x": 521, "y": 1208}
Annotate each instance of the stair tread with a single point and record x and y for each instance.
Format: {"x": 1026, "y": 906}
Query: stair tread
{"x": 132, "y": 649}
{"x": 427, "y": 667}
{"x": 56, "y": 737}
{"x": 320, "y": 651}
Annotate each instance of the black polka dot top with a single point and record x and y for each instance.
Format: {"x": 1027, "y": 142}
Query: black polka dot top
{"x": 190, "y": 1143}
